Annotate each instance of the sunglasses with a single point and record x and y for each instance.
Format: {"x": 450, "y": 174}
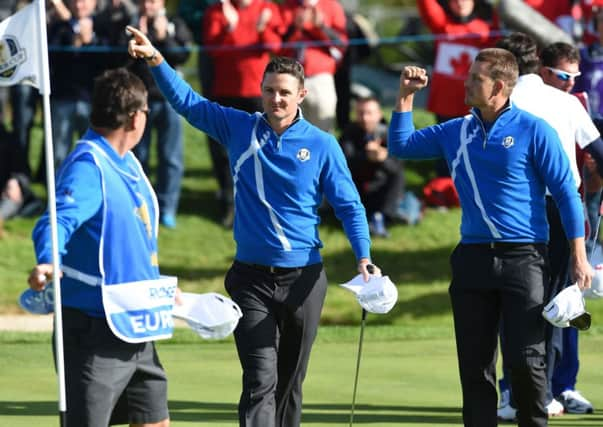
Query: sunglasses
{"x": 563, "y": 75}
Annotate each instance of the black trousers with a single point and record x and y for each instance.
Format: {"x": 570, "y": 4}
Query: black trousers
{"x": 504, "y": 283}
{"x": 281, "y": 312}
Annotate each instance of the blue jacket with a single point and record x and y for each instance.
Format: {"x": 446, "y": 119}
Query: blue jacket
{"x": 500, "y": 170}
{"x": 106, "y": 221}
{"x": 279, "y": 181}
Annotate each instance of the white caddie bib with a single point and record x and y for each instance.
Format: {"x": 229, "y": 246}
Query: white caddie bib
{"x": 141, "y": 311}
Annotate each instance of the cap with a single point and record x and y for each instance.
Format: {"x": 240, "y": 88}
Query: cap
{"x": 379, "y": 295}
{"x": 568, "y": 309}
{"x": 38, "y": 302}
{"x": 210, "y": 315}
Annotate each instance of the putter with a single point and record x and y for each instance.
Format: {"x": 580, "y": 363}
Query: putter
{"x": 370, "y": 268}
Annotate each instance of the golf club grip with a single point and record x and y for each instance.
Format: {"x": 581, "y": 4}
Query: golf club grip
{"x": 370, "y": 268}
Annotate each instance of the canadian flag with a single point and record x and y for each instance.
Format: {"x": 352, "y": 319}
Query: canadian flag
{"x": 454, "y": 60}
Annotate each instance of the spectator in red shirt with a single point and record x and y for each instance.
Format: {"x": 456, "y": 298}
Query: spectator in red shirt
{"x": 322, "y": 25}
{"x": 239, "y": 36}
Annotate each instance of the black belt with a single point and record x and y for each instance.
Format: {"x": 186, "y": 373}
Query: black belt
{"x": 269, "y": 268}
{"x": 503, "y": 245}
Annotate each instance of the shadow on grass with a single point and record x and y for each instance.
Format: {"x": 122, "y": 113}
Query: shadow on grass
{"x": 28, "y": 408}
{"x": 215, "y": 412}
{"x": 412, "y": 266}
{"x": 198, "y": 173}
{"x": 422, "y": 306}
{"x": 322, "y": 413}
{"x": 199, "y": 202}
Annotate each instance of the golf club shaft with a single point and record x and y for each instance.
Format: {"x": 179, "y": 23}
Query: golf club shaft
{"x": 592, "y": 250}
{"x": 596, "y": 229}
{"x": 362, "y": 322}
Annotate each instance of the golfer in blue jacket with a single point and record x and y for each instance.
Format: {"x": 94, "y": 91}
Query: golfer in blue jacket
{"x": 501, "y": 159}
{"x": 282, "y": 166}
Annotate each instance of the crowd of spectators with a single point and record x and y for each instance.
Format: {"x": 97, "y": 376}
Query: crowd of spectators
{"x": 234, "y": 40}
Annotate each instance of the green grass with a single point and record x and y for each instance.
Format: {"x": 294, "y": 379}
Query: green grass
{"x": 404, "y": 380}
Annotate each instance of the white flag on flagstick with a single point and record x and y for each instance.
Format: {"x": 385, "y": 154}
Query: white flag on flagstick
{"x": 21, "y": 49}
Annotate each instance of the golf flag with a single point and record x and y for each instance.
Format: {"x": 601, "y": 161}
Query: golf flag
{"x": 23, "y": 49}
{"x": 24, "y": 59}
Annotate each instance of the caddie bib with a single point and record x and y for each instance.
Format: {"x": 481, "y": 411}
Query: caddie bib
{"x": 136, "y": 300}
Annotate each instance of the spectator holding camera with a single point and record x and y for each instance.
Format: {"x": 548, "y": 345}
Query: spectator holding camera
{"x": 379, "y": 178}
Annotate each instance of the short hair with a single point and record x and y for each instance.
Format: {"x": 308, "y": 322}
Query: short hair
{"x": 117, "y": 94}
{"x": 367, "y": 98}
{"x": 285, "y": 65}
{"x": 559, "y": 51}
{"x": 503, "y": 66}
{"x": 525, "y": 50}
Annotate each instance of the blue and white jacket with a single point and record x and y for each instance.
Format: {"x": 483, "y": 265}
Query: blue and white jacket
{"x": 279, "y": 180}
{"x": 500, "y": 170}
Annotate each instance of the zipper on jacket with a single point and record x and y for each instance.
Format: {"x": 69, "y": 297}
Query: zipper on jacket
{"x": 481, "y": 123}
{"x": 276, "y": 135}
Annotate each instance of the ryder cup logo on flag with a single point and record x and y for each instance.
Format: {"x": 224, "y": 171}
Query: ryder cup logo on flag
{"x": 141, "y": 311}
{"x": 21, "y": 49}
{"x": 11, "y": 56}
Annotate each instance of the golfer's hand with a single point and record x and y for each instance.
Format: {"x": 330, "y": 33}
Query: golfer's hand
{"x": 412, "y": 79}
{"x": 139, "y": 46}
{"x": 367, "y": 269}
{"x": 40, "y": 276}
{"x": 178, "y": 297}
{"x": 582, "y": 274}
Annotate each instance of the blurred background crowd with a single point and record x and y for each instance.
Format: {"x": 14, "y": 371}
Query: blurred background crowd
{"x": 352, "y": 53}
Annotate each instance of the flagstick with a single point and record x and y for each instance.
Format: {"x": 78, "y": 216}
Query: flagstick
{"x": 52, "y": 212}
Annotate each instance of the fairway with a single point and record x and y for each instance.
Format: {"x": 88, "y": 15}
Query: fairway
{"x": 403, "y": 381}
